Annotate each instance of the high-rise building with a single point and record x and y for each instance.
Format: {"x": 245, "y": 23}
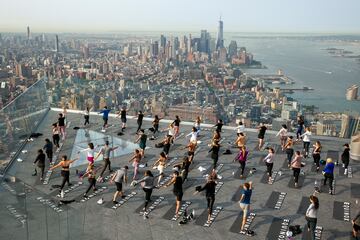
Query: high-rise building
{"x": 176, "y": 43}
{"x": 220, "y": 36}
{"x": 86, "y": 52}
{"x": 352, "y": 93}
{"x": 190, "y": 44}
{"x": 162, "y": 41}
{"x": 204, "y": 42}
{"x": 255, "y": 112}
{"x": 184, "y": 44}
{"x": 154, "y": 48}
{"x": 350, "y": 125}
{"x": 56, "y": 43}
{"x": 28, "y": 33}
{"x": 232, "y": 49}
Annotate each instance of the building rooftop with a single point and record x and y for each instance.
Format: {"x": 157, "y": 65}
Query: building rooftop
{"x": 30, "y": 209}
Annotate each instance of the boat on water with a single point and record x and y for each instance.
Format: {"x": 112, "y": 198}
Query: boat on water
{"x": 328, "y": 72}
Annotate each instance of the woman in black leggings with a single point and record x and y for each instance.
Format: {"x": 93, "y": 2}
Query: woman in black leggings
{"x": 65, "y": 171}
{"x": 316, "y": 154}
{"x": 56, "y": 135}
{"x": 215, "y": 148}
{"x": 148, "y": 186}
{"x": 209, "y": 188}
{"x": 91, "y": 174}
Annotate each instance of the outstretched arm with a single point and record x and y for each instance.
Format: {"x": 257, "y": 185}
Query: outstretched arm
{"x": 73, "y": 160}
{"x": 171, "y": 182}
{"x": 56, "y": 166}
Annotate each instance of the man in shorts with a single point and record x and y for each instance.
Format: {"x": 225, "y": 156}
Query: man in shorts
{"x": 119, "y": 177}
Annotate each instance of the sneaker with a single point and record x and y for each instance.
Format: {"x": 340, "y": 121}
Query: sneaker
{"x": 43, "y": 179}
{"x": 343, "y": 165}
{"x": 296, "y": 185}
{"x": 62, "y": 194}
{"x": 345, "y": 172}
{"x": 145, "y": 216}
{"x": 331, "y": 192}
{"x": 85, "y": 196}
{"x": 115, "y": 202}
{"x": 123, "y": 196}
{"x": 95, "y": 189}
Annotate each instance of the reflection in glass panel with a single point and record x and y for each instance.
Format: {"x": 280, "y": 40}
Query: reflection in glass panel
{"x": 84, "y": 136}
{"x": 20, "y": 118}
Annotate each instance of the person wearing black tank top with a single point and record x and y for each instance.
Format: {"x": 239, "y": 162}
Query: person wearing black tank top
{"x": 65, "y": 171}
{"x": 178, "y": 190}
{"x": 209, "y": 188}
{"x": 62, "y": 126}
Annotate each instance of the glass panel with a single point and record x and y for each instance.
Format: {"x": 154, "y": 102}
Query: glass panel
{"x": 83, "y": 137}
{"x": 19, "y": 119}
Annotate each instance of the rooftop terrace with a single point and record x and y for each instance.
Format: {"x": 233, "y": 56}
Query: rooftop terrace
{"x": 30, "y": 209}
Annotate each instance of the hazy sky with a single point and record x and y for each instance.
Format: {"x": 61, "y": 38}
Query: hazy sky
{"x": 180, "y": 15}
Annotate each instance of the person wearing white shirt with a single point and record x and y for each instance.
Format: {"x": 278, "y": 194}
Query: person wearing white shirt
{"x": 269, "y": 161}
{"x": 306, "y": 141}
{"x": 311, "y": 216}
{"x": 193, "y": 134}
{"x": 240, "y": 128}
{"x": 283, "y": 133}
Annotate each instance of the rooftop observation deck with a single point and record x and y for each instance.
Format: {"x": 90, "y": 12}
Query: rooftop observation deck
{"x": 30, "y": 209}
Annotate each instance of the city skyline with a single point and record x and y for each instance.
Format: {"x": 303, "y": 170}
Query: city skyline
{"x": 240, "y": 16}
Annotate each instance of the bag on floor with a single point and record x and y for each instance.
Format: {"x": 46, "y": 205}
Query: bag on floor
{"x": 227, "y": 152}
{"x": 295, "y": 229}
{"x": 250, "y": 233}
{"x": 322, "y": 162}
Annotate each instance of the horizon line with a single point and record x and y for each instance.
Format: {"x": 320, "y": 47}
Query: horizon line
{"x": 183, "y": 31}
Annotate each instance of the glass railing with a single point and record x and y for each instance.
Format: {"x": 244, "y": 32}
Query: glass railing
{"x": 19, "y": 119}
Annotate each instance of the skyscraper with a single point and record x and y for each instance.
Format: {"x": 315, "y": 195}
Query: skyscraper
{"x": 350, "y": 124}
{"x": 154, "y": 48}
{"x": 28, "y": 33}
{"x": 204, "y": 42}
{"x": 220, "y": 37}
{"x": 232, "y": 49}
{"x": 352, "y": 93}
{"x": 56, "y": 43}
{"x": 162, "y": 41}
{"x": 190, "y": 44}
